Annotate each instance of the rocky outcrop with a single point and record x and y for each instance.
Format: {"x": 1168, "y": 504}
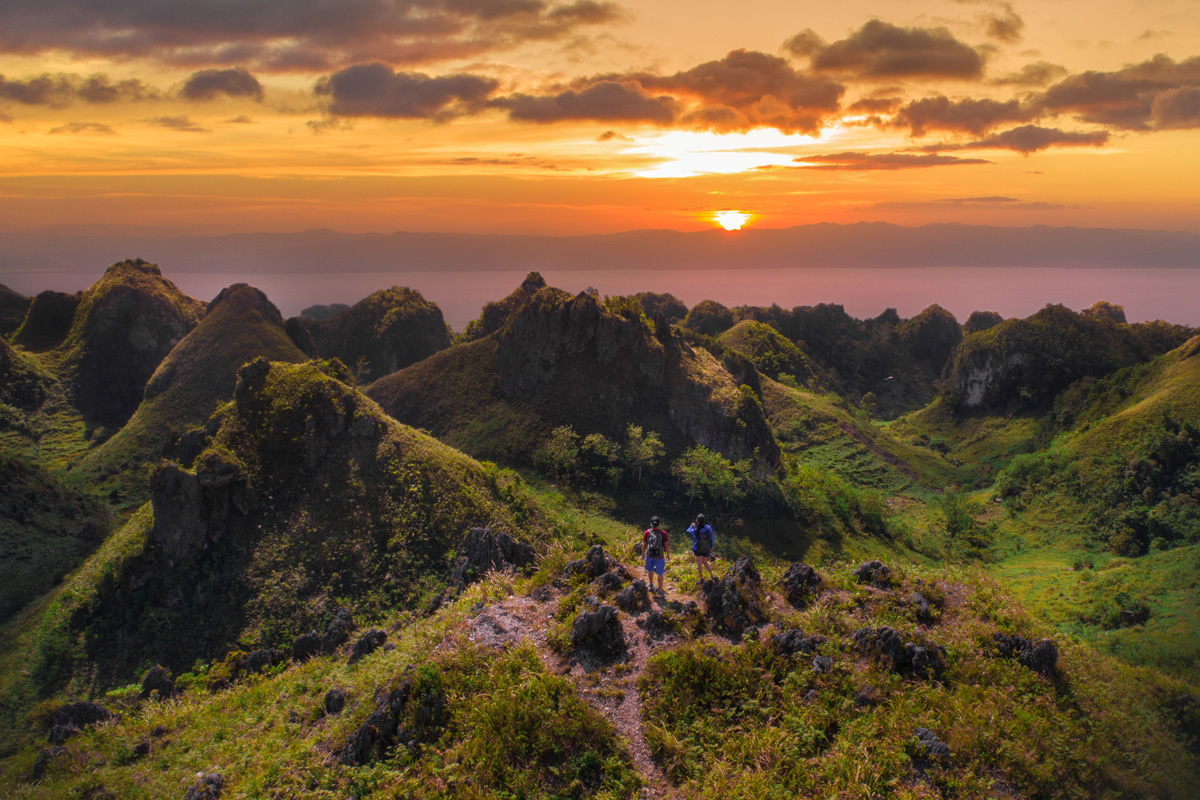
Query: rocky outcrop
{"x": 23, "y": 385}
{"x": 791, "y": 642}
{"x": 875, "y": 573}
{"x": 381, "y": 334}
{"x": 736, "y": 602}
{"x": 157, "y": 681}
{"x": 208, "y": 787}
{"x": 368, "y": 643}
{"x": 928, "y": 749}
{"x": 799, "y": 583}
{"x": 906, "y": 658}
{"x": 403, "y": 716}
{"x": 598, "y": 634}
{"x": 71, "y": 718}
{"x": 482, "y": 551}
{"x": 593, "y": 564}
{"x": 194, "y": 509}
{"x": 634, "y": 598}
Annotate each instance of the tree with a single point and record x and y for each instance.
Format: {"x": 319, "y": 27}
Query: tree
{"x": 559, "y": 455}
{"x": 642, "y": 451}
{"x": 603, "y": 458}
{"x": 702, "y": 471}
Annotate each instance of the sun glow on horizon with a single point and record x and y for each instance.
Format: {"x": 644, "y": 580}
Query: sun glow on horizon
{"x": 731, "y": 220}
{"x": 685, "y": 154}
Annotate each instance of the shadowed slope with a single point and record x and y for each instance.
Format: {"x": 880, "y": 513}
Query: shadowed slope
{"x": 239, "y": 326}
{"x": 562, "y": 360}
{"x": 13, "y": 306}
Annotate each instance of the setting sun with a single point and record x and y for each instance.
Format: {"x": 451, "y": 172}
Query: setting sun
{"x": 731, "y": 220}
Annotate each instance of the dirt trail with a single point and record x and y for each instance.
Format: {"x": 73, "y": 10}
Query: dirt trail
{"x": 611, "y": 690}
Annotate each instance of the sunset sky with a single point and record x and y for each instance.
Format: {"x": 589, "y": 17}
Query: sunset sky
{"x": 587, "y": 116}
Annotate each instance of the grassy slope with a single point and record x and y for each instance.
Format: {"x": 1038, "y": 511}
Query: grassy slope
{"x": 722, "y": 718}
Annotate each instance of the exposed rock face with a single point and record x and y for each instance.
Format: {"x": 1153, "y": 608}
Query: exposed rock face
{"x": 193, "y": 510}
{"x": 338, "y": 631}
{"x": 47, "y": 321}
{"x": 598, "y": 633}
{"x": 13, "y": 306}
{"x": 736, "y": 602}
{"x": 124, "y": 326}
{"x": 875, "y": 573}
{"x": 72, "y": 718}
{"x": 262, "y": 659}
{"x": 920, "y": 607}
{"x": 799, "y": 583}
{"x": 482, "y": 551}
{"x": 496, "y": 314}
{"x": 387, "y": 331}
{"x": 931, "y": 338}
{"x": 335, "y": 701}
{"x": 1039, "y": 655}
{"x": 306, "y": 646}
{"x": 906, "y": 658}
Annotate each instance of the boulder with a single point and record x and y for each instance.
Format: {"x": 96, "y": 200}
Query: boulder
{"x": 368, "y": 643}
{"x": 207, "y": 788}
{"x": 905, "y": 658}
{"x": 920, "y": 607}
{"x": 634, "y": 598}
{"x": 44, "y": 757}
{"x": 594, "y": 564}
{"x": 929, "y": 749}
{"x": 157, "y": 681}
{"x": 72, "y": 718}
{"x": 822, "y": 664}
{"x": 306, "y": 646}
{"x": 610, "y": 582}
{"x": 799, "y": 583}
{"x": 338, "y": 631}
{"x": 599, "y": 633}
{"x": 875, "y": 573}
{"x": 335, "y": 701}
{"x": 794, "y": 641}
{"x": 1039, "y": 655}
{"x": 735, "y": 602}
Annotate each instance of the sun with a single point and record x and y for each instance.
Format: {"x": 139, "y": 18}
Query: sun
{"x": 731, "y": 220}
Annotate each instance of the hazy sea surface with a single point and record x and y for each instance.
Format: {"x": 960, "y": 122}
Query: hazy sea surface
{"x": 1146, "y": 294}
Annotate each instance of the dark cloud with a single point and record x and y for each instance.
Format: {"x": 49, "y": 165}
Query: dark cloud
{"x": 602, "y": 101}
{"x": 303, "y": 34}
{"x": 63, "y": 89}
{"x": 1126, "y": 97}
{"x": 178, "y": 124}
{"x": 1028, "y": 139}
{"x": 1177, "y": 108}
{"x": 1038, "y": 73}
{"x": 241, "y": 119}
{"x": 875, "y": 105}
{"x": 610, "y": 135}
{"x": 375, "y": 90}
{"x": 208, "y": 83}
{"x": 84, "y": 127}
{"x": 883, "y": 161}
{"x": 748, "y": 89}
{"x": 1005, "y": 26}
{"x": 804, "y": 44}
{"x": 882, "y": 51}
{"x": 968, "y": 116}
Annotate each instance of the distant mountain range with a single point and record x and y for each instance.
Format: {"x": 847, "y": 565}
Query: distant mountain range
{"x": 863, "y": 244}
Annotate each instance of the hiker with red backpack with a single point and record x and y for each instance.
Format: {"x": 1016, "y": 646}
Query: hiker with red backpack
{"x": 656, "y": 551}
{"x": 704, "y": 539}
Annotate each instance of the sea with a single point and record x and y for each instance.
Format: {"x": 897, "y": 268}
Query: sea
{"x": 1145, "y": 293}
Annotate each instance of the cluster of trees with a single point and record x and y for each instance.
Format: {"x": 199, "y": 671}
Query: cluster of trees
{"x": 596, "y": 460}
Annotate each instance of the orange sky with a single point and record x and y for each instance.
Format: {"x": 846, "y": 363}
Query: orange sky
{"x": 537, "y": 116}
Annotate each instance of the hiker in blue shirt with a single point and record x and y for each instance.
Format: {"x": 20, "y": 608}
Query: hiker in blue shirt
{"x": 703, "y": 542}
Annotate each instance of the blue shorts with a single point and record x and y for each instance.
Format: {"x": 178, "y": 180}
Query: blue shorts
{"x": 656, "y": 565}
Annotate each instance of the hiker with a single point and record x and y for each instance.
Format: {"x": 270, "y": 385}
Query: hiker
{"x": 656, "y": 551}
{"x": 703, "y": 542}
